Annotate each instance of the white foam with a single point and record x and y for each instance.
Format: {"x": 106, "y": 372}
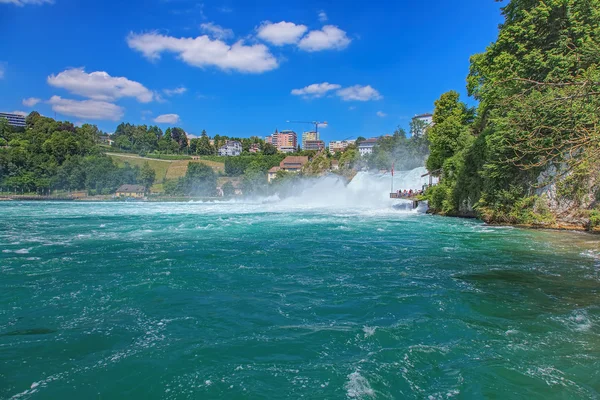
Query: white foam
{"x": 369, "y": 330}
{"x": 358, "y": 386}
{"x": 581, "y": 321}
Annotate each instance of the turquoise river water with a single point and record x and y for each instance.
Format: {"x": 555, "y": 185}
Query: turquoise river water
{"x": 277, "y": 299}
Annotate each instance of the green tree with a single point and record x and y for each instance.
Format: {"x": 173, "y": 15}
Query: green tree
{"x": 204, "y": 148}
{"x": 200, "y": 180}
{"x": 538, "y": 89}
{"x": 269, "y": 149}
{"x": 254, "y": 181}
{"x": 147, "y": 175}
{"x": 450, "y": 132}
{"x": 418, "y": 127}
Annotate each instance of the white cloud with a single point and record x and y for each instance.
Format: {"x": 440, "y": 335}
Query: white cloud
{"x": 330, "y": 37}
{"x": 281, "y": 33}
{"x": 167, "y": 119}
{"x": 203, "y": 52}
{"x": 351, "y": 108}
{"x": 86, "y": 109}
{"x": 359, "y": 93}
{"x": 99, "y": 85}
{"x": 2, "y": 68}
{"x": 381, "y": 114}
{"x": 356, "y": 92}
{"x": 322, "y": 16}
{"x": 30, "y": 102}
{"x": 173, "y": 92}
{"x": 22, "y": 3}
{"x": 315, "y": 90}
{"x": 216, "y": 31}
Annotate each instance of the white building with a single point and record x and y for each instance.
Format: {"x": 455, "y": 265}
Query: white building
{"x": 427, "y": 118}
{"x": 16, "y": 120}
{"x": 231, "y": 148}
{"x": 366, "y": 147}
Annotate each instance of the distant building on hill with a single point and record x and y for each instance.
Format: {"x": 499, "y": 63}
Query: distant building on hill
{"x": 285, "y": 141}
{"x": 309, "y": 136}
{"x": 106, "y": 139}
{"x": 231, "y": 148}
{"x": 134, "y": 191}
{"x": 339, "y": 145}
{"x": 335, "y": 165}
{"x": 366, "y": 147}
{"x": 16, "y": 120}
{"x": 254, "y": 148}
{"x": 314, "y": 145}
{"x": 426, "y": 119}
{"x": 289, "y": 164}
{"x": 293, "y": 163}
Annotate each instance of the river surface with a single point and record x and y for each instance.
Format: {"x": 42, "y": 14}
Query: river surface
{"x": 272, "y": 300}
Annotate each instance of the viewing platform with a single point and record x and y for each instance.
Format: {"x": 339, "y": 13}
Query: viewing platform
{"x": 413, "y": 198}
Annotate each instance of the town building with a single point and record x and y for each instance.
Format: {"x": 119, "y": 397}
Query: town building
{"x": 289, "y": 164}
{"x": 314, "y": 145}
{"x": 254, "y": 148}
{"x": 335, "y": 165}
{"x": 106, "y": 139}
{"x": 339, "y": 145}
{"x": 15, "y": 120}
{"x": 309, "y": 136}
{"x": 272, "y": 174}
{"x": 133, "y": 191}
{"x": 366, "y": 147}
{"x": 285, "y": 141}
{"x": 427, "y": 118}
{"x": 293, "y": 163}
{"x": 272, "y": 138}
{"x": 231, "y": 148}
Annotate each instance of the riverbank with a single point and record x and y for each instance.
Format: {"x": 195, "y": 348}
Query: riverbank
{"x": 555, "y": 226}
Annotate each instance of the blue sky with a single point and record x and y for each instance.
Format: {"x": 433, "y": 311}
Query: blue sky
{"x": 239, "y": 68}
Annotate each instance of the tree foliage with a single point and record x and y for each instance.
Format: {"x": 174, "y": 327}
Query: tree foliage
{"x": 51, "y": 155}
{"x": 538, "y": 87}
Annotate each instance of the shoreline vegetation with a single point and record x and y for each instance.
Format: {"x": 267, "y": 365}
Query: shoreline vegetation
{"x": 529, "y": 153}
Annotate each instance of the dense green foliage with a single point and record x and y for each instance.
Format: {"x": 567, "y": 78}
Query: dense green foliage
{"x": 50, "y": 155}
{"x": 538, "y": 88}
{"x": 145, "y": 139}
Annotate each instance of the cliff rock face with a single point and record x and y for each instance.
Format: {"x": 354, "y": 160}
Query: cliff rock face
{"x": 572, "y": 209}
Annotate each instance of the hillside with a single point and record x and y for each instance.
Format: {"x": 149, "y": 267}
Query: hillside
{"x": 165, "y": 169}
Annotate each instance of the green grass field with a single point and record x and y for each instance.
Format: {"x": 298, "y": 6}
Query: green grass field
{"x": 165, "y": 169}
